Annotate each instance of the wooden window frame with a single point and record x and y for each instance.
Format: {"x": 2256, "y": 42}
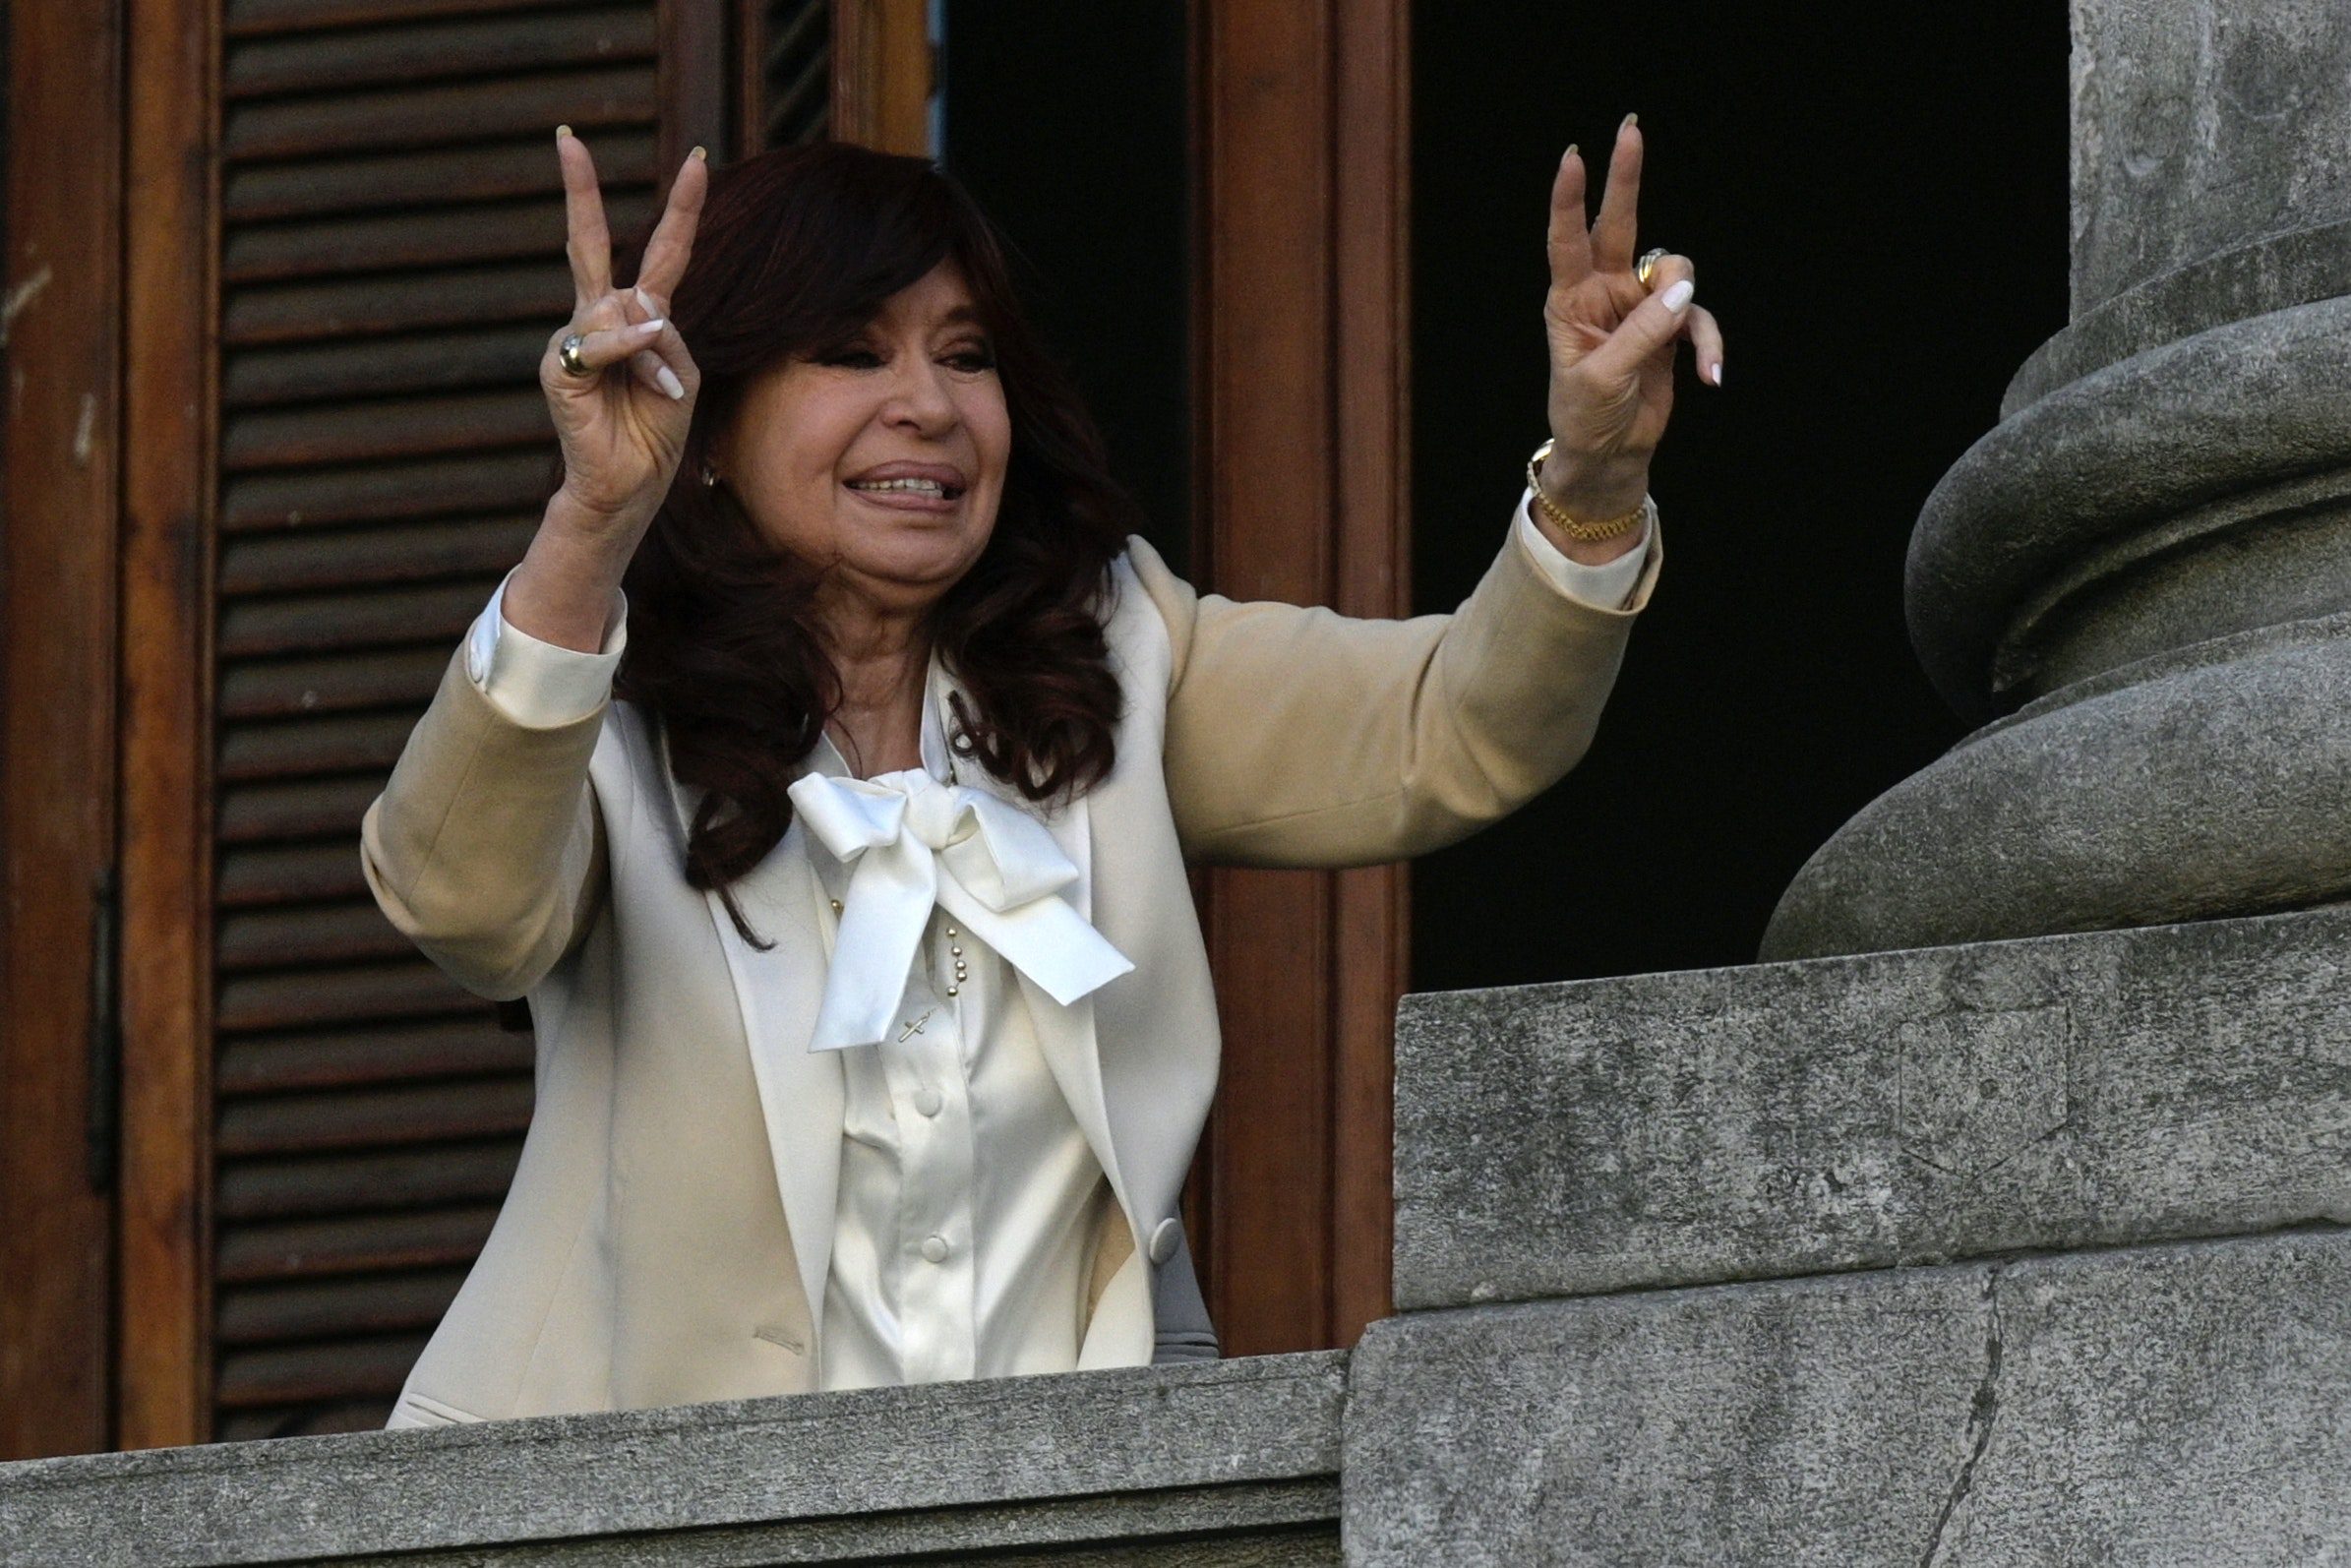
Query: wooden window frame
{"x": 883, "y": 74}
{"x": 170, "y": 377}
{"x": 57, "y": 712}
{"x": 1303, "y": 158}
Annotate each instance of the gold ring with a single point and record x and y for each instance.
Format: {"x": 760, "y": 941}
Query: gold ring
{"x": 1648, "y": 265}
{"x": 566, "y": 354}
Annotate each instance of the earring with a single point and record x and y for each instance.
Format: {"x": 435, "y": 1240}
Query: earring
{"x": 710, "y": 476}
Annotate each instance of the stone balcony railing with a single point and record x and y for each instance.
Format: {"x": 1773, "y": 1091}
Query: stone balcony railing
{"x": 2026, "y": 1253}
{"x": 1232, "y": 1463}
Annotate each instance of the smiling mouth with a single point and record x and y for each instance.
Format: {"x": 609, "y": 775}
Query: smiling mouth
{"x": 931, "y": 488}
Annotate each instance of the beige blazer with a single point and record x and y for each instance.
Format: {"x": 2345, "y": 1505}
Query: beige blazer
{"x": 658, "y": 1246}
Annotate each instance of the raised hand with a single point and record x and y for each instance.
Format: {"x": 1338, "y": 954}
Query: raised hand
{"x": 1613, "y": 340}
{"x": 623, "y": 407}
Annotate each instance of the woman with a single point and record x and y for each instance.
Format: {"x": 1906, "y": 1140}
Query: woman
{"x": 875, "y": 1023}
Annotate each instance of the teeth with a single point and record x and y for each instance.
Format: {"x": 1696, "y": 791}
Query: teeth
{"x": 925, "y": 487}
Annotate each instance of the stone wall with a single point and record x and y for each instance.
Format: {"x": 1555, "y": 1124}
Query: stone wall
{"x": 2022, "y": 1253}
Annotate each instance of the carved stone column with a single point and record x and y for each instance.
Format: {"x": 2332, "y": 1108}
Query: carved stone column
{"x": 2140, "y": 581}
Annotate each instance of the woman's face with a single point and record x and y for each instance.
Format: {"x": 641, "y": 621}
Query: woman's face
{"x": 884, "y": 458}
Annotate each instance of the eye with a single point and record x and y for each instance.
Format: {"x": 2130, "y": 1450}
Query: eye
{"x": 856, "y": 356}
{"x": 973, "y": 359}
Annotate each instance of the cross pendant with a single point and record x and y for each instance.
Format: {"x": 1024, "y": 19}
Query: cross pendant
{"x": 914, "y": 1026}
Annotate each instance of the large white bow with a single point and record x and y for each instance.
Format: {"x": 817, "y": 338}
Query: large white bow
{"x": 910, "y": 842}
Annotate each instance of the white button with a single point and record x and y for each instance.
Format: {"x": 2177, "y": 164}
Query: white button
{"x": 1165, "y": 1239}
{"x": 934, "y": 1247}
{"x": 927, "y": 1099}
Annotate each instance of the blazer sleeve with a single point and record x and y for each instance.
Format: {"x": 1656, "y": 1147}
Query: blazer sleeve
{"x": 1303, "y": 738}
{"x": 486, "y": 848}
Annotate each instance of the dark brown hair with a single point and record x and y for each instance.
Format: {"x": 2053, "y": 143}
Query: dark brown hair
{"x": 798, "y": 250}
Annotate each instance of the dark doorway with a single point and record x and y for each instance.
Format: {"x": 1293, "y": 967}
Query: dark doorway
{"x": 1877, "y": 215}
{"x": 1069, "y": 122}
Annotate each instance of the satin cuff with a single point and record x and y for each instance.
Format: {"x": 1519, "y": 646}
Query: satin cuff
{"x": 541, "y": 685}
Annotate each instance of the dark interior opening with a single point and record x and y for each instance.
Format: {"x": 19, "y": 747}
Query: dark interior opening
{"x": 1878, "y": 214}
{"x": 1069, "y": 122}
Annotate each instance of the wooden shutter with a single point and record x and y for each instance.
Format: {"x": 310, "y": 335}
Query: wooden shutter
{"x": 390, "y": 263}
{"x": 346, "y": 256}
{"x": 787, "y": 55}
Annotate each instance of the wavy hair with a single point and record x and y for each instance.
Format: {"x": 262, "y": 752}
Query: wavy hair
{"x": 796, "y": 250}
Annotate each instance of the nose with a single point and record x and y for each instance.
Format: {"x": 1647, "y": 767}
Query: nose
{"x": 920, "y": 396}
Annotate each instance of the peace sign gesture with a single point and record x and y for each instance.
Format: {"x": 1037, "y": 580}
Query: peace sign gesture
{"x": 1611, "y": 336}
{"x": 623, "y": 432}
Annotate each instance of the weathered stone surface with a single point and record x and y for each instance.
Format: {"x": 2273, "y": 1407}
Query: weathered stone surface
{"x": 2219, "y": 788}
{"x": 1743, "y": 1123}
{"x": 2102, "y": 479}
{"x": 2199, "y": 124}
{"x": 2273, "y": 272}
{"x": 1227, "y": 1462}
{"x": 2183, "y": 1405}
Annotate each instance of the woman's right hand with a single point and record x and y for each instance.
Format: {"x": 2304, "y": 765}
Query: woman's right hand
{"x": 623, "y": 425}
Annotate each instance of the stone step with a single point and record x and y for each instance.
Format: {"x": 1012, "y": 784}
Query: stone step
{"x": 2186, "y": 1406}
{"x": 1888, "y": 1109}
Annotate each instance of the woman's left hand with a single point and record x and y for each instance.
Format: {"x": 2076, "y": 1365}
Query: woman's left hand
{"x": 1612, "y": 341}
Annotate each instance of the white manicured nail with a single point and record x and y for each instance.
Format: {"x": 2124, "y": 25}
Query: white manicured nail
{"x": 669, "y": 381}
{"x": 1718, "y": 374}
{"x": 646, "y": 300}
{"x": 1679, "y": 294}
{"x": 648, "y": 329}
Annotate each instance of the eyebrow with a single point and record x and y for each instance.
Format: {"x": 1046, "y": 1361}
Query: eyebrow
{"x": 962, "y": 316}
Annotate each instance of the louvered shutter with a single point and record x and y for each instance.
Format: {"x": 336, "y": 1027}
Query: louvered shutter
{"x": 795, "y": 71}
{"x": 392, "y": 261}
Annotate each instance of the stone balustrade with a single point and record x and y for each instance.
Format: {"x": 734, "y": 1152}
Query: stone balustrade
{"x": 1231, "y": 1463}
{"x": 2023, "y": 1254}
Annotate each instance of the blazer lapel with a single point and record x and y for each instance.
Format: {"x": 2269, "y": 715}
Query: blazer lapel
{"x": 802, "y": 1092}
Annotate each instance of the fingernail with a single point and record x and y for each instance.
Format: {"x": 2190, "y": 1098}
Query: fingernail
{"x": 1679, "y": 294}
{"x": 699, "y": 151}
{"x": 646, "y": 300}
{"x": 562, "y": 131}
{"x": 669, "y": 381}
{"x": 1630, "y": 121}
{"x": 1569, "y": 153}
{"x": 648, "y": 329}
{"x": 1718, "y": 373}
